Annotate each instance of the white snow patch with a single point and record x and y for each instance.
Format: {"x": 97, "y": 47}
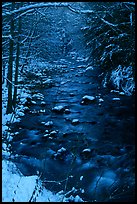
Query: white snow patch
{"x": 121, "y": 93}
{"x": 33, "y": 102}
{"x": 115, "y": 99}
{"x": 58, "y": 108}
{"x": 61, "y": 150}
{"x": 86, "y": 150}
{"x": 75, "y": 121}
{"x": 43, "y": 103}
{"x": 20, "y": 114}
{"x": 49, "y": 123}
{"x": 91, "y": 98}
{"x": 81, "y": 178}
{"x": 100, "y": 99}
{"x": 89, "y": 68}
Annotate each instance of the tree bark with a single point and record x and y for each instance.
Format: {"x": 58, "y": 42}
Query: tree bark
{"x": 17, "y": 62}
{"x": 10, "y": 68}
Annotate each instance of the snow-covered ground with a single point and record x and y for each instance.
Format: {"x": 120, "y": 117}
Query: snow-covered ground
{"x": 19, "y": 188}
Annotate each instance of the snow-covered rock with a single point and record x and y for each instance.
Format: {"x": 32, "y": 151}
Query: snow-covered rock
{"x": 58, "y": 109}
{"x": 86, "y": 150}
{"x": 62, "y": 149}
{"x": 72, "y": 94}
{"x": 87, "y": 153}
{"x": 75, "y": 121}
{"x": 49, "y": 124}
{"x": 81, "y": 178}
{"x": 53, "y": 133}
{"x": 115, "y": 99}
{"x": 43, "y": 123}
{"x": 100, "y": 99}
{"x": 61, "y": 154}
{"x": 46, "y": 135}
{"x": 33, "y": 102}
{"x": 90, "y": 98}
{"x": 121, "y": 93}
{"x": 43, "y": 103}
{"x": 87, "y": 99}
{"x": 67, "y": 111}
{"x": 74, "y": 199}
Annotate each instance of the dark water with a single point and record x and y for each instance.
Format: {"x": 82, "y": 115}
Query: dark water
{"x": 107, "y": 173}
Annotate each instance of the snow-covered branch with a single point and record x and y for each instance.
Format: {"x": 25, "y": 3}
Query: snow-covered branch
{"x": 130, "y": 3}
{"x": 108, "y": 23}
{"x": 24, "y": 13}
{"x": 42, "y": 5}
{"x": 33, "y": 6}
{"x": 4, "y": 5}
{"x": 10, "y": 81}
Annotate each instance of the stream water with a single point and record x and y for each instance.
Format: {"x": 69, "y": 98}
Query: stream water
{"x": 105, "y": 131}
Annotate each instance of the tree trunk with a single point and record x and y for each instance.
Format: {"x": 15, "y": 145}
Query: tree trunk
{"x": 3, "y": 72}
{"x": 10, "y": 68}
{"x": 17, "y": 62}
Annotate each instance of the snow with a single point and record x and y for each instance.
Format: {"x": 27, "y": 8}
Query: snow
{"x": 77, "y": 199}
{"x": 91, "y": 98}
{"x": 86, "y": 150}
{"x": 48, "y": 81}
{"x": 89, "y": 68}
{"x": 20, "y": 114}
{"x": 86, "y": 27}
{"x": 33, "y": 102}
{"x": 81, "y": 178}
{"x": 38, "y": 95}
{"x": 46, "y": 135}
{"x": 100, "y": 100}
{"x": 49, "y": 123}
{"x": 62, "y": 150}
{"x": 121, "y": 93}
{"x": 43, "y": 103}
{"x": 122, "y": 79}
{"x": 19, "y": 188}
{"x": 75, "y": 121}
{"x": 115, "y": 99}
{"x": 58, "y": 108}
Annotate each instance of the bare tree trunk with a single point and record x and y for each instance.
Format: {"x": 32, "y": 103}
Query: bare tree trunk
{"x": 17, "y": 62}
{"x": 10, "y": 68}
{"x": 3, "y": 72}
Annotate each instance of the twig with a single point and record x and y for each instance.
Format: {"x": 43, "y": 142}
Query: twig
{"x": 98, "y": 183}
{"x": 10, "y": 81}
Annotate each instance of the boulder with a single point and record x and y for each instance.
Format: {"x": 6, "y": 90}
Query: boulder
{"x": 53, "y": 133}
{"x": 88, "y": 153}
{"x": 61, "y": 154}
{"x": 72, "y": 94}
{"x": 87, "y": 100}
{"x": 43, "y": 103}
{"x": 75, "y": 122}
{"x": 67, "y": 111}
{"x": 58, "y": 109}
{"x": 49, "y": 124}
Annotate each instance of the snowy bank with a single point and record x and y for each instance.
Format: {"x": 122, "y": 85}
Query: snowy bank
{"x": 19, "y": 188}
